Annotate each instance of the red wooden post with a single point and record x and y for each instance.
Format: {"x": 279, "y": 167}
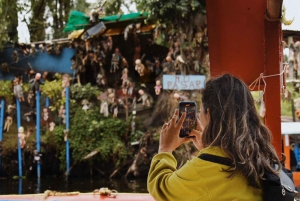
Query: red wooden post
{"x": 243, "y": 43}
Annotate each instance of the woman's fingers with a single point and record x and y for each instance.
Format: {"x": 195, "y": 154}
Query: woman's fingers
{"x": 174, "y": 117}
{"x": 180, "y": 122}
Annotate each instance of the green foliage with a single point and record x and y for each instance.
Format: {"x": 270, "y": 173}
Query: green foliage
{"x": 92, "y": 132}
{"x": 87, "y": 91}
{"x": 171, "y": 11}
{"x": 6, "y": 91}
{"x": 53, "y": 90}
{"x": 3, "y": 26}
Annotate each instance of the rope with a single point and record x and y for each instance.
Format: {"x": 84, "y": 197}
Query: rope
{"x": 260, "y": 79}
{"x": 48, "y": 193}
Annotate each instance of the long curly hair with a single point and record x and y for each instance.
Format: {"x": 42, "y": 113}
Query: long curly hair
{"x": 235, "y": 126}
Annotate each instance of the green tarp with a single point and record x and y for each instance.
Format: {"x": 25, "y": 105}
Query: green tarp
{"x": 130, "y": 16}
{"x": 78, "y": 20}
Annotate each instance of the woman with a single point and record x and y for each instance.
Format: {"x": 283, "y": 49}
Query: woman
{"x": 228, "y": 126}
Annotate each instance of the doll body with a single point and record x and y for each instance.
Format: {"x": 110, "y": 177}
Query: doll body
{"x": 18, "y": 91}
{"x": 22, "y": 137}
{"x": 158, "y": 87}
{"x": 139, "y": 67}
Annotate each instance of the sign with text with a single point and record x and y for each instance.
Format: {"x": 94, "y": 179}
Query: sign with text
{"x": 183, "y": 82}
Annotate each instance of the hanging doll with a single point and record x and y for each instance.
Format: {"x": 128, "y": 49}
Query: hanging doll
{"x": 115, "y": 112}
{"x": 18, "y": 91}
{"x": 65, "y": 84}
{"x": 22, "y": 136}
{"x": 30, "y": 116}
{"x": 109, "y": 44}
{"x": 168, "y": 66}
{"x": 51, "y": 126}
{"x": 104, "y": 105}
{"x": 144, "y": 97}
{"x": 32, "y": 50}
{"x": 180, "y": 66}
{"x": 11, "y": 111}
{"x": 7, "y": 123}
{"x": 139, "y": 67}
{"x": 124, "y": 78}
{"x": 36, "y": 83}
{"x": 30, "y": 98}
{"x": 15, "y": 56}
{"x": 158, "y": 87}
{"x": 124, "y": 63}
{"x": 115, "y": 60}
{"x": 62, "y": 114}
{"x": 85, "y": 104}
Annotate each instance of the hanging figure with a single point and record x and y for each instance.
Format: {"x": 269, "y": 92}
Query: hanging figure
{"x": 65, "y": 84}
{"x": 104, "y": 104}
{"x": 15, "y": 56}
{"x": 30, "y": 98}
{"x": 18, "y": 91}
{"x": 145, "y": 97}
{"x": 116, "y": 56}
{"x": 7, "y": 123}
{"x": 158, "y": 87}
{"x": 85, "y": 104}
{"x": 36, "y": 83}
{"x": 51, "y": 126}
{"x": 22, "y": 136}
{"x": 139, "y": 67}
{"x": 168, "y": 66}
{"x": 180, "y": 65}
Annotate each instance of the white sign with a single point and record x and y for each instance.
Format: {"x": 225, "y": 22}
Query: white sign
{"x": 183, "y": 82}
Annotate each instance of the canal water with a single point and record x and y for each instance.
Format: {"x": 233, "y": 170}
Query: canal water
{"x": 83, "y": 185}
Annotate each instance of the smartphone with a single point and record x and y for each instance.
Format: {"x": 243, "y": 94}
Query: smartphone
{"x": 189, "y": 123}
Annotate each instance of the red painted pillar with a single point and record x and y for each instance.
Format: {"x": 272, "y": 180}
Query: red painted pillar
{"x": 243, "y": 43}
{"x": 273, "y": 58}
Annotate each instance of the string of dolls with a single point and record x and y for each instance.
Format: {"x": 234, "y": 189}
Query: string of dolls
{"x": 93, "y": 53}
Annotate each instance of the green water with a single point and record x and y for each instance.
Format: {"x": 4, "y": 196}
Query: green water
{"x": 83, "y": 185}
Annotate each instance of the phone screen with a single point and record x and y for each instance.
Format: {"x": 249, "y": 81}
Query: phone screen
{"x": 189, "y": 123}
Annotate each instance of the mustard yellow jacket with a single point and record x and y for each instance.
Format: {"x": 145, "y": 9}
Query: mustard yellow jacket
{"x": 197, "y": 180}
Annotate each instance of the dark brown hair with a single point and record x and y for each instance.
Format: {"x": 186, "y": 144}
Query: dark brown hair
{"x": 235, "y": 126}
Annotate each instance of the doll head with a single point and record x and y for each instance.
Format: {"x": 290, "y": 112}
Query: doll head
{"x": 169, "y": 59}
{"x": 38, "y": 76}
{"x": 158, "y": 83}
{"x": 21, "y": 129}
{"x": 125, "y": 71}
{"x": 138, "y": 62}
{"x": 141, "y": 92}
{"x": 16, "y": 80}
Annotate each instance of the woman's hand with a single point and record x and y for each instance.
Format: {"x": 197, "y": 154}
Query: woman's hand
{"x": 197, "y": 140}
{"x": 169, "y": 136}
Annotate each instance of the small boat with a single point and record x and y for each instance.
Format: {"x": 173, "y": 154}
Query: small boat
{"x": 76, "y": 196}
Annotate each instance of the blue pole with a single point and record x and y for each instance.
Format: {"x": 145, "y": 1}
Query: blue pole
{"x": 19, "y": 148}
{"x": 67, "y": 128}
{"x": 1, "y": 130}
{"x": 47, "y": 102}
{"x": 38, "y": 130}
{"x": 2, "y": 118}
{"x": 20, "y": 186}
